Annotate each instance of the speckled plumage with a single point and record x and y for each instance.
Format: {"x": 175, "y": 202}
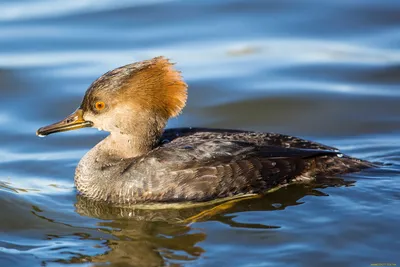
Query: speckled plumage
{"x": 193, "y": 164}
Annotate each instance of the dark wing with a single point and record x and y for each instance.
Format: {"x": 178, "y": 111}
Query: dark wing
{"x": 216, "y": 169}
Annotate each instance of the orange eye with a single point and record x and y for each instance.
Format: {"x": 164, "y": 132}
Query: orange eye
{"x": 100, "y": 105}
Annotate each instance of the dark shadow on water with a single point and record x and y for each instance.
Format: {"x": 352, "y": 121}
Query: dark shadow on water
{"x": 156, "y": 237}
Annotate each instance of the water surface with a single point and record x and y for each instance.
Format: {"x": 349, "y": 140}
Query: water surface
{"x": 323, "y": 70}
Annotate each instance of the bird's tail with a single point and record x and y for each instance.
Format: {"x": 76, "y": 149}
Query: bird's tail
{"x": 340, "y": 164}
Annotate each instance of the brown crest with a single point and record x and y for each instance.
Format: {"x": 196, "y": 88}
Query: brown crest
{"x": 156, "y": 85}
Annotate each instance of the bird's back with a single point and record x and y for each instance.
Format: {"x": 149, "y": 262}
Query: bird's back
{"x": 193, "y": 164}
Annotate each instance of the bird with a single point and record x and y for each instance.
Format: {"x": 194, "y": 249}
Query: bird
{"x": 141, "y": 162}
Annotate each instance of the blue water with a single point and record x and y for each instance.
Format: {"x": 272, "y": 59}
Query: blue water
{"x": 322, "y": 70}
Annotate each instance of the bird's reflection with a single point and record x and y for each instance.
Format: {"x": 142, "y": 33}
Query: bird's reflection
{"x": 156, "y": 237}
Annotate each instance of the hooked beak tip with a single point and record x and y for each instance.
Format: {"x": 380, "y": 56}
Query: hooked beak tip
{"x": 38, "y": 133}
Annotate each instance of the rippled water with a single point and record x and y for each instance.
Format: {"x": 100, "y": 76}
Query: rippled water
{"x": 323, "y": 70}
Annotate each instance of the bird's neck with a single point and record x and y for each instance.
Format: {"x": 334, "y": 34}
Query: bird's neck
{"x": 124, "y": 146}
{"x": 132, "y": 140}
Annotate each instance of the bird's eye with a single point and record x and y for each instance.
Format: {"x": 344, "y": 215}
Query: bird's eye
{"x": 100, "y": 105}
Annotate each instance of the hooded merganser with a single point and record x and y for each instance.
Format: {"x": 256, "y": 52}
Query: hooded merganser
{"x": 135, "y": 163}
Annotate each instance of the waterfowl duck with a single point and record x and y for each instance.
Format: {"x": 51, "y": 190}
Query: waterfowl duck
{"x": 140, "y": 162}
